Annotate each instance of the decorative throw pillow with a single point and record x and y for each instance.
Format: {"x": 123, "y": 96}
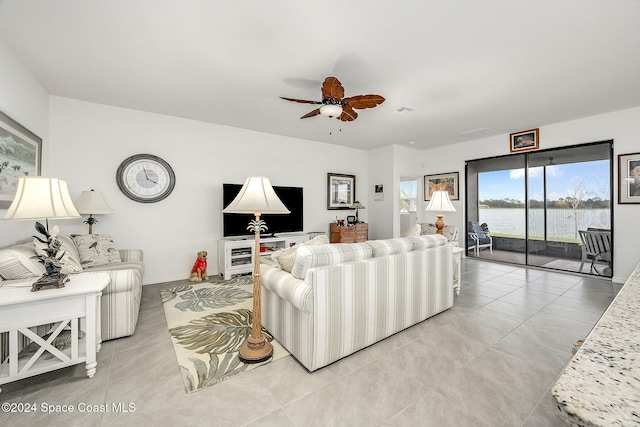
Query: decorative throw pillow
{"x": 17, "y": 262}
{"x": 428, "y": 228}
{"x": 96, "y": 249}
{"x": 68, "y": 263}
{"x": 286, "y": 257}
{"x": 414, "y": 230}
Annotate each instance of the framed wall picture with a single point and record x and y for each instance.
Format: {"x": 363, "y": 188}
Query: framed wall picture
{"x": 378, "y": 192}
{"x": 525, "y": 140}
{"x": 629, "y": 178}
{"x": 444, "y": 181}
{"x": 20, "y": 155}
{"x": 341, "y": 191}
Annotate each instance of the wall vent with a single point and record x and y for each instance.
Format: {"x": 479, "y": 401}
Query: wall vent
{"x": 404, "y": 109}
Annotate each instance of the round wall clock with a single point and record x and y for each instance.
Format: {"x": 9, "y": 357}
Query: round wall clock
{"x": 145, "y": 178}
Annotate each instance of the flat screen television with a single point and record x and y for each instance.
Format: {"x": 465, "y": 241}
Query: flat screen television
{"x": 236, "y": 224}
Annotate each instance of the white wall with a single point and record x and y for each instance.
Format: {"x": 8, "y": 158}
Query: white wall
{"x": 22, "y": 98}
{"x": 381, "y": 213}
{"x": 390, "y": 165}
{"x": 621, "y": 126}
{"x": 84, "y": 143}
{"x": 89, "y": 141}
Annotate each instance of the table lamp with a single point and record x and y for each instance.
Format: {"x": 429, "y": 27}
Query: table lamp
{"x": 256, "y": 197}
{"x": 92, "y": 203}
{"x": 357, "y": 205}
{"x": 39, "y": 197}
{"x": 440, "y": 202}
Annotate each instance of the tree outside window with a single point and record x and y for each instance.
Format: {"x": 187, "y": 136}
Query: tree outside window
{"x": 408, "y": 196}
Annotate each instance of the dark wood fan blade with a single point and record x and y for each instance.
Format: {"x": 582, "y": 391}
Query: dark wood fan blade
{"x": 311, "y": 113}
{"x": 332, "y": 88}
{"x": 302, "y": 101}
{"x": 364, "y": 101}
{"x": 348, "y": 115}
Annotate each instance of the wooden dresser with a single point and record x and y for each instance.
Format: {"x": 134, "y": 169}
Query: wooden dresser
{"x": 356, "y": 233}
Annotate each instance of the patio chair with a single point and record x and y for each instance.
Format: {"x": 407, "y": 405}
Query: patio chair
{"x": 471, "y": 244}
{"x": 596, "y": 246}
{"x": 482, "y": 239}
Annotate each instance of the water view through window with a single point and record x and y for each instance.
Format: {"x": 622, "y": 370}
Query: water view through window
{"x": 541, "y": 207}
{"x": 577, "y": 197}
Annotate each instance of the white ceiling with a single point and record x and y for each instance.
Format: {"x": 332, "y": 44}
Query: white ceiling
{"x": 464, "y": 65}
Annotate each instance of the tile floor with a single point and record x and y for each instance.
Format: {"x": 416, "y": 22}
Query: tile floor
{"x": 489, "y": 361}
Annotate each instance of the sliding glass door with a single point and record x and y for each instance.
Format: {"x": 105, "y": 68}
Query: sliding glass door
{"x": 536, "y": 206}
{"x": 496, "y": 193}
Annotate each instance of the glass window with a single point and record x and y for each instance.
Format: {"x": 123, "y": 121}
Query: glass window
{"x": 408, "y": 196}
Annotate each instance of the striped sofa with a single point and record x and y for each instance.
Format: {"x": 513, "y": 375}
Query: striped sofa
{"x": 341, "y": 298}
{"x": 120, "y": 299}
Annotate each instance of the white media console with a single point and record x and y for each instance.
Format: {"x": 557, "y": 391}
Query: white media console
{"x": 236, "y": 254}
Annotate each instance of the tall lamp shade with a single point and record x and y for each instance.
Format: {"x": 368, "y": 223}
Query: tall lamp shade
{"x": 92, "y": 203}
{"x": 39, "y": 197}
{"x": 440, "y": 202}
{"x": 256, "y": 197}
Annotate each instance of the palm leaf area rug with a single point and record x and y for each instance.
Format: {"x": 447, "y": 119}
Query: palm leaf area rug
{"x": 208, "y": 323}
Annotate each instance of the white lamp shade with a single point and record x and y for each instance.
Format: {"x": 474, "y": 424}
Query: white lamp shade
{"x": 257, "y": 197}
{"x": 331, "y": 110}
{"x": 92, "y": 203}
{"x": 440, "y": 202}
{"x": 39, "y": 197}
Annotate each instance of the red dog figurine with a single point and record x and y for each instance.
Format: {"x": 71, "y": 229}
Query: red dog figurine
{"x": 199, "y": 270}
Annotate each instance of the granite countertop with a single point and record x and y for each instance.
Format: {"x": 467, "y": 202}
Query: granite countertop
{"x": 601, "y": 384}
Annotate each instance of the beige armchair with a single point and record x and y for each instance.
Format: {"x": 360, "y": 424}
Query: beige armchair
{"x": 120, "y": 299}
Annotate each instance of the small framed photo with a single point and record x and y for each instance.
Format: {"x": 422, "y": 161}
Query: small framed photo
{"x": 629, "y": 178}
{"x": 525, "y": 140}
{"x": 341, "y": 191}
{"x": 444, "y": 181}
{"x": 378, "y": 192}
{"x": 20, "y": 155}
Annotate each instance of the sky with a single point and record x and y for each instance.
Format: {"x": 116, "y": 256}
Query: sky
{"x": 408, "y": 187}
{"x": 590, "y": 178}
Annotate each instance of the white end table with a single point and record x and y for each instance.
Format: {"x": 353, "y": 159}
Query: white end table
{"x": 71, "y": 309}
{"x": 457, "y": 268}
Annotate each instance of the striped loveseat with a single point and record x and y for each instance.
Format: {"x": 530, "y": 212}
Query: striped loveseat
{"x": 341, "y": 298}
{"x": 120, "y": 299}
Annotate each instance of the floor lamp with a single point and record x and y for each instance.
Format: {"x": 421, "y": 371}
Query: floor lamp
{"x": 256, "y": 197}
{"x": 440, "y": 202}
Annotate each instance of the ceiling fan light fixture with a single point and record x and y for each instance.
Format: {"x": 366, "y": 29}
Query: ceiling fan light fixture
{"x": 331, "y": 110}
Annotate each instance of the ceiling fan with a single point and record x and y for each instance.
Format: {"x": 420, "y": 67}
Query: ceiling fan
{"x": 334, "y": 104}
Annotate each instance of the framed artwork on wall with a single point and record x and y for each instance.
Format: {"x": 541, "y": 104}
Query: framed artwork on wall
{"x": 629, "y": 178}
{"x": 525, "y": 140}
{"x": 20, "y": 155}
{"x": 341, "y": 191}
{"x": 378, "y": 192}
{"x": 444, "y": 181}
